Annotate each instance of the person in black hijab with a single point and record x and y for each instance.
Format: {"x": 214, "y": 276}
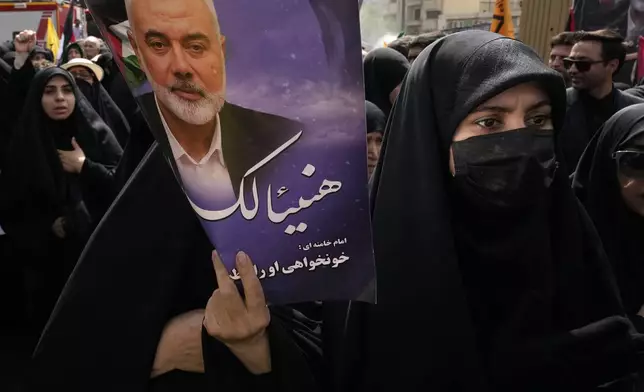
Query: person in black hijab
{"x": 384, "y": 70}
{"x": 72, "y": 51}
{"x": 88, "y": 78}
{"x": 610, "y": 182}
{"x": 490, "y": 276}
{"x": 51, "y": 193}
{"x": 125, "y": 306}
{"x": 376, "y": 122}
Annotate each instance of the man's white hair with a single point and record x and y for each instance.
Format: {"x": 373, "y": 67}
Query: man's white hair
{"x": 209, "y": 3}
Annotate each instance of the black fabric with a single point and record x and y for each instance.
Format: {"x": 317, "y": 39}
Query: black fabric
{"x": 384, "y": 70}
{"x": 376, "y": 119}
{"x": 577, "y": 131}
{"x": 165, "y": 271}
{"x": 425, "y": 332}
{"x": 621, "y": 230}
{"x": 106, "y": 109}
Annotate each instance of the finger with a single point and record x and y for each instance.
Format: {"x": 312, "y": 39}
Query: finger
{"x": 75, "y": 144}
{"x": 223, "y": 279}
{"x": 253, "y": 291}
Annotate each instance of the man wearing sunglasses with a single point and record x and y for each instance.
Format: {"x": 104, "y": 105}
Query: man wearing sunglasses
{"x": 593, "y": 61}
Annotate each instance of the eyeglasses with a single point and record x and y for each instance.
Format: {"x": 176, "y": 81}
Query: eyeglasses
{"x": 582, "y": 65}
{"x": 630, "y": 163}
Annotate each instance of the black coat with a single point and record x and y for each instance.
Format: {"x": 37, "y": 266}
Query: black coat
{"x": 575, "y": 133}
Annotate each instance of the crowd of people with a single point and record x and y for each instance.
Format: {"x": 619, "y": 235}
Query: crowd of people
{"x": 518, "y": 267}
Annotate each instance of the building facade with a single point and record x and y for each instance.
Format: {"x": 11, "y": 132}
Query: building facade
{"x": 422, "y": 16}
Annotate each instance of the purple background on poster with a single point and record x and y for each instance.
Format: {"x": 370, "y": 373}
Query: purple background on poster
{"x": 276, "y": 63}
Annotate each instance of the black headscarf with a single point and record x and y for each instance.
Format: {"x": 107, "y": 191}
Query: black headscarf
{"x": 48, "y": 54}
{"x": 33, "y": 167}
{"x": 376, "y": 119}
{"x": 74, "y": 45}
{"x": 106, "y": 108}
{"x": 425, "y": 332}
{"x": 597, "y": 186}
{"x": 384, "y": 70}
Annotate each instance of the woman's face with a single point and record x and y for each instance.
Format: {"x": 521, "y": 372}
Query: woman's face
{"x": 82, "y": 73}
{"x": 630, "y": 175}
{"x": 525, "y": 105}
{"x": 73, "y": 53}
{"x": 58, "y": 98}
{"x": 374, "y": 144}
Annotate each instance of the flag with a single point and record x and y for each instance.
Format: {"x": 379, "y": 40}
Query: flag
{"x": 640, "y": 59}
{"x": 68, "y": 31}
{"x": 502, "y": 19}
{"x": 52, "y": 37}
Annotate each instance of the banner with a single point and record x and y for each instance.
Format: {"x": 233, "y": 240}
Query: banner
{"x": 502, "y": 19}
{"x": 259, "y": 109}
{"x": 624, "y": 16}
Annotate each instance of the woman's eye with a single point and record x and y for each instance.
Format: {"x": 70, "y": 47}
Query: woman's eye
{"x": 538, "y": 121}
{"x": 488, "y": 123}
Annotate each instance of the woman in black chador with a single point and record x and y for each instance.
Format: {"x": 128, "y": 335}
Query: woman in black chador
{"x": 53, "y": 188}
{"x": 490, "y": 274}
{"x": 610, "y": 183}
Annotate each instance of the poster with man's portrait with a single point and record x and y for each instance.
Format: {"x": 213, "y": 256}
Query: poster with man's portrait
{"x": 259, "y": 109}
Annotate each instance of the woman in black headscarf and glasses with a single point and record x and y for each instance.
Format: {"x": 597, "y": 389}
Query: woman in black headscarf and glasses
{"x": 610, "y": 182}
{"x": 490, "y": 275}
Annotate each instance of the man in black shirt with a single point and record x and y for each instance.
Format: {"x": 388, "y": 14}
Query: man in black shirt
{"x": 593, "y": 99}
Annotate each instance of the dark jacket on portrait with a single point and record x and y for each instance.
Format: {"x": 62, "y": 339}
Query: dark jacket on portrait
{"x": 248, "y": 136}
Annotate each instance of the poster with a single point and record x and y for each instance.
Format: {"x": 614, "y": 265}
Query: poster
{"x": 259, "y": 109}
{"x": 624, "y": 16}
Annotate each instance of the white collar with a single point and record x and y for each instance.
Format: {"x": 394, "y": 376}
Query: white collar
{"x": 177, "y": 150}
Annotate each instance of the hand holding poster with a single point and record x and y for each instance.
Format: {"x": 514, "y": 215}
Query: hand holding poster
{"x": 258, "y": 108}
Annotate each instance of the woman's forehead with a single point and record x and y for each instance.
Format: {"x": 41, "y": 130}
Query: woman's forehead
{"x": 526, "y": 94}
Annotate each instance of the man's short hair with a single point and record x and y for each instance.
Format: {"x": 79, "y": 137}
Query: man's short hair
{"x": 426, "y": 39}
{"x": 567, "y": 38}
{"x": 612, "y": 44}
{"x": 401, "y": 45}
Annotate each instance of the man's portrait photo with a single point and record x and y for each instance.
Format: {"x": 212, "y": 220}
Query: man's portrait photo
{"x": 181, "y": 50}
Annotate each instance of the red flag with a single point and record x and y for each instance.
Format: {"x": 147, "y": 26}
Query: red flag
{"x": 640, "y": 59}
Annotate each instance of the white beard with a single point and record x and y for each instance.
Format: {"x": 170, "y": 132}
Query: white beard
{"x": 192, "y": 112}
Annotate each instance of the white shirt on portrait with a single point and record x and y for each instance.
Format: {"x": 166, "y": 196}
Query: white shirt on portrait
{"x": 206, "y": 182}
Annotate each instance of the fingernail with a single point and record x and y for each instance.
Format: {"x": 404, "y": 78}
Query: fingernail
{"x": 242, "y": 259}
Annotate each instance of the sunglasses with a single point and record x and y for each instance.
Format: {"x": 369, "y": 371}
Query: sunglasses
{"x": 581, "y": 65}
{"x": 630, "y": 163}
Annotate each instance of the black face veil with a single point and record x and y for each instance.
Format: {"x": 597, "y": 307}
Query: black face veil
{"x": 421, "y": 333}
